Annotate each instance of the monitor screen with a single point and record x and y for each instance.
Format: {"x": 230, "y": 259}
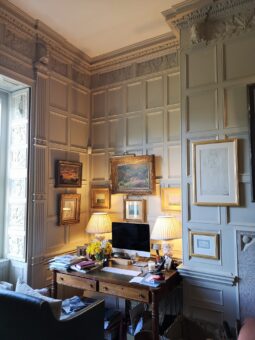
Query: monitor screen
{"x": 131, "y": 236}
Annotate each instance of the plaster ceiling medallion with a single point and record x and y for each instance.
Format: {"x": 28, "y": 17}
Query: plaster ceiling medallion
{"x": 99, "y": 27}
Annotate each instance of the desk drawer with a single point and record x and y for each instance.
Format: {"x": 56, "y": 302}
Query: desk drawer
{"x": 76, "y": 282}
{"x": 125, "y": 292}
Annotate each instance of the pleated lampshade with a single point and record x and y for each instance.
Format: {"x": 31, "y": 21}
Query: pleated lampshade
{"x": 166, "y": 228}
{"x": 99, "y": 223}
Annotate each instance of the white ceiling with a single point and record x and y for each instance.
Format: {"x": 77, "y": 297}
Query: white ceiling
{"x": 100, "y": 26}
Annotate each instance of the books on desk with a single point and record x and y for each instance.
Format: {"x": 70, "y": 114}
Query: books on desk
{"x": 84, "y": 266}
{"x": 64, "y": 262}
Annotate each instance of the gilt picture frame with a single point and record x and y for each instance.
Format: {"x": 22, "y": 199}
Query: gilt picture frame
{"x": 215, "y": 173}
{"x": 135, "y": 210}
{"x": 134, "y": 175}
{"x": 68, "y": 174}
{"x": 170, "y": 199}
{"x": 69, "y": 209}
{"x": 204, "y": 245}
{"x": 100, "y": 198}
{"x": 251, "y": 96}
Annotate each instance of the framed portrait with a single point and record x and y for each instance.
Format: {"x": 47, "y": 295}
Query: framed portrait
{"x": 68, "y": 174}
{"x": 203, "y": 244}
{"x": 134, "y": 210}
{"x": 251, "y": 93}
{"x": 134, "y": 175}
{"x": 100, "y": 198}
{"x": 170, "y": 199}
{"x": 69, "y": 208}
{"x": 215, "y": 174}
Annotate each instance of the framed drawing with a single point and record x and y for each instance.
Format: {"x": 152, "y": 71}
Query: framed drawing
{"x": 170, "y": 199}
{"x": 69, "y": 208}
{"x": 203, "y": 244}
{"x": 215, "y": 174}
{"x": 68, "y": 174}
{"x": 100, "y": 198}
{"x": 251, "y": 92}
{"x": 134, "y": 210}
{"x": 133, "y": 175}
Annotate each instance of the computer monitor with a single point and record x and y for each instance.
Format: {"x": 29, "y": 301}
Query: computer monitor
{"x": 133, "y": 237}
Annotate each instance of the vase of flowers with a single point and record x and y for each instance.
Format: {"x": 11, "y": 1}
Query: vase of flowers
{"x": 100, "y": 250}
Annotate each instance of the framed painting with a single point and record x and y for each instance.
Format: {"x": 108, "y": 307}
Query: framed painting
{"x": 251, "y": 94}
{"x": 100, "y": 198}
{"x": 204, "y": 245}
{"x": 215, "y": 174}
{"x": 134, "y": 210}
{"x": 69, "y": 208}
{"x": 68, "y": 174}
{"x": 133, "y": 175}
{"x": 170, "y": 199}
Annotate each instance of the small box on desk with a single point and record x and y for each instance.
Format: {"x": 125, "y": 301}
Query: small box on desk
{"x": 120, "y": 261}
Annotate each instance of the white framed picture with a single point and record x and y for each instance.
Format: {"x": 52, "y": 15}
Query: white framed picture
{"x": 204, "y": 244}
{"x": 215, "y": 174}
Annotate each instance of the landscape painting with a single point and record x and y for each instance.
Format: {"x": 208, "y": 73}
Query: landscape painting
{"x": 133, "y": 174}
{"x": 68, "y": 174}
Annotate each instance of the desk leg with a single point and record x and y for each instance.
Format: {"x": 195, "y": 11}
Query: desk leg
{"x": 54, "y": 286}
{"x": 155, "y": 316}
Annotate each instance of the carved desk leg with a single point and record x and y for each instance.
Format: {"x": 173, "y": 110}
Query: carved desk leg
{"x": 155, "y": 316}
{"x": 54, "y": 286}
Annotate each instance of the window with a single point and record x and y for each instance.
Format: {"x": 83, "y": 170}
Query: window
{"x": 14, "y": 116}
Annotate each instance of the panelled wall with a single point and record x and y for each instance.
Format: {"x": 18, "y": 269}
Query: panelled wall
{"x": 59, "y": 79}
{"x": 217, "y": 63}
{"x": 139, "y": 116}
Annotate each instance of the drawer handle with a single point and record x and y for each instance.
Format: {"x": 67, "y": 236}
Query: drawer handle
{"x": 142, "y": 296}
{"x": 105, "y": 288}
{"x": 91, "y": 285}
{"x": 61, "y": 278}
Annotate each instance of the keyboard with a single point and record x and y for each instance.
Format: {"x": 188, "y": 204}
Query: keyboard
{"x": 121, "y": 271}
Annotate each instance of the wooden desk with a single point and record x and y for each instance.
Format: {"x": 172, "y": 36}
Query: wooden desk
{"x": 118, "y": 285}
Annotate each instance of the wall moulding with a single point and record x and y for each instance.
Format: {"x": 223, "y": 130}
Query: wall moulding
{"x": 216, "y": 277}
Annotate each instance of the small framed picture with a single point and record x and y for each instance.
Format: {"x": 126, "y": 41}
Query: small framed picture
{"x": 100, "y": 198}
{"x": 69, "y": 208}
{"x": 170, "y": 199}
{"x": 134, "y": 210}
{"x": 68, "y": 174}
{"x": 204, "y": 244}
{"x": 215, "y": 175}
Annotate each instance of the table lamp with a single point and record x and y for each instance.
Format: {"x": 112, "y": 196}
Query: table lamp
{"x": 99, "y": 223}
{"x": 166, "y": 228}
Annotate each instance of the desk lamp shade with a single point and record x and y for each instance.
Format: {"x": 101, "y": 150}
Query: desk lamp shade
{"x": 166, "y": 228}
{"x": 99, "y": 223}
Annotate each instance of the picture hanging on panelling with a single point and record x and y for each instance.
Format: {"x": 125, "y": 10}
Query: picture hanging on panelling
{"x": 215, "y": 173}
{"x": 100, "y": 198}
{"x": 68, "y": 174}
{"x": 170, "y": 199}
{"x": 251, "y": 89}
{"x": 69, "y": 208}
{"x": 134, "y": 175}
{"x": 134, "y": 210}
{"x": 204, "y": 245}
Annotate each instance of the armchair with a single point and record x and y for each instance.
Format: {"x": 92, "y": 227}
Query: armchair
{"x": 24, "y": 317}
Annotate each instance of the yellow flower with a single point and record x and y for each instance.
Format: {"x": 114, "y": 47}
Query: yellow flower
{"x": 99, "y": 248}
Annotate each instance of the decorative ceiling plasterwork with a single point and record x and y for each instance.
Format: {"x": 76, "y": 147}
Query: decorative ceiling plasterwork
{"x": 141, "y": 52}
{"x": 213, "y": 20}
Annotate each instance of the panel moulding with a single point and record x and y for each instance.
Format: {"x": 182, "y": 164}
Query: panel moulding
{"x": 215, "y": 277}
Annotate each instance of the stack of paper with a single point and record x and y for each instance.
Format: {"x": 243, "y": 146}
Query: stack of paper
{"x": 64, "y": 261}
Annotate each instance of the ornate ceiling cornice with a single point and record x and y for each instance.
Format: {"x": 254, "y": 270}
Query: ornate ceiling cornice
{"x": 139, "y": 52}
{"x": 209, "y": 20}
